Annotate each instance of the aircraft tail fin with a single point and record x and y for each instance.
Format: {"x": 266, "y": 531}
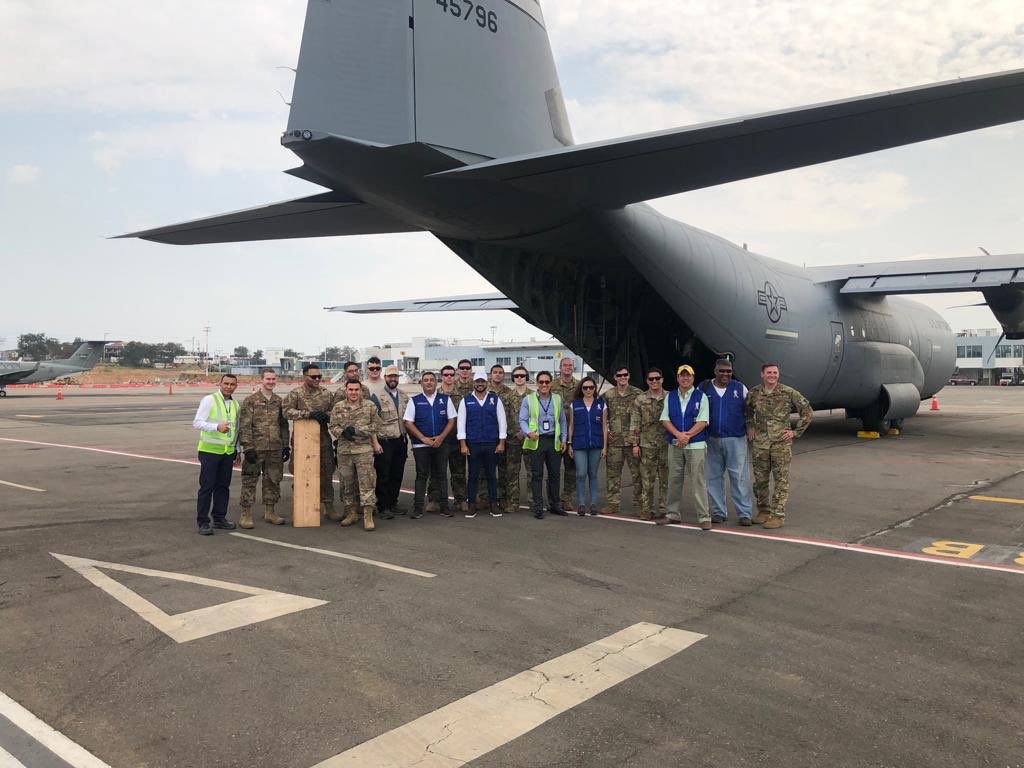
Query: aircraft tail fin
{"x": 475, "y": 77}
{"x": 86, "y": 356}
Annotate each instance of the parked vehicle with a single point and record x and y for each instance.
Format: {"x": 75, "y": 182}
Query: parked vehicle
{"x": 959, "y": 380}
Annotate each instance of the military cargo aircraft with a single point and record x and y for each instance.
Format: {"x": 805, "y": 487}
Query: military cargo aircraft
{"x": 20, "y": 372}
{"x": 446, "y": 116}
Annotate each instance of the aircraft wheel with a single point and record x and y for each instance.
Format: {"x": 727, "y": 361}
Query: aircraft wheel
{"x": 871, "y": 419}
{"x": 3, "y": 393}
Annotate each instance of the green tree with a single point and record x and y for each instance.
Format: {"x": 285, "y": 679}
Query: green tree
{"x": 333, "y": 353}
{"x": 35, "y": 346}
{"x": 166, "y": 352}
{"x": 258, "y": 358}
{"x": 67, "y": 348}
{"x": 291, "y": 353}
{"x": 136, "y": 354}
{"x": 241, "y": 352}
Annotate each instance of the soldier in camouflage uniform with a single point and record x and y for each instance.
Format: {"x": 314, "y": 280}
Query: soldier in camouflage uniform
{"x": 352, "y": 374}
{"x": 619, "y": 402}
{"x": 514, "y": 458}
{"x": 313, "y": 401}
{"x": 355, "y": 424}
{"x": 767, "y": 411}
{"x": 263, "y": 436}
{"x": 566, "y": 386}
{"x": 456, "y": 461}
{"x": 651, "y": 447}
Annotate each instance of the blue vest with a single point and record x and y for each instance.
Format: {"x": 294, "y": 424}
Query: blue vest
{"x": 684, "y": 421}
{"x": 431, "y": 419}
{"x": 726, "y": 412}
{"x": 481, "y": 419}
{"x": 587, "y": 432}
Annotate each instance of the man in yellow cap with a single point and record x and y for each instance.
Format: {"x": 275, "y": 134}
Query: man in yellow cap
{"x": 685, "y": 417}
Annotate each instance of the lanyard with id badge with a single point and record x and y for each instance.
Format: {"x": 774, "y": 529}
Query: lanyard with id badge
{"x": 545, "y": 424}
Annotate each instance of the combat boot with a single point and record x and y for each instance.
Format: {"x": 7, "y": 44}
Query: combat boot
{"x": 774, "y": 522}
{"x": 350, "y": 517}
{"x": 327, "y": 510}
{"x": 269, "y": 516}
{"x": 433, "y": 507}
{"x": 762, "y": 518}
{"x": 245, "y": 519}
{"x": 464, "y": 507}
{"x": 367, "y": 519}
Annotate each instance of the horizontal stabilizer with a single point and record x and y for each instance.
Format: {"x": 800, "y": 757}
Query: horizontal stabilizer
{"x": 468, "y": 303}
{"x": 324, "y": 215}
{"x": 621, "y": 171}
{"x": 973, "y": 273}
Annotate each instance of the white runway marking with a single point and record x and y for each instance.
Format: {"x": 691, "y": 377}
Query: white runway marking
{"x": 27, "y": 416}
{"x": 7, "y": 760}
{"x": 53, "y": 740}
{"x": 23, "y": 487}
{"x": 263, "y": 604}
{"x": 342, "y": 555}
{"x": 483, "y": 721}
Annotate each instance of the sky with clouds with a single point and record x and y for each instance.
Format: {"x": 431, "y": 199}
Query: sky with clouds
{"x": 121, "y": 115}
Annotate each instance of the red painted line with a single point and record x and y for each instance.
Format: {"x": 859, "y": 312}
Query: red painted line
{"x": 805, "y": 540}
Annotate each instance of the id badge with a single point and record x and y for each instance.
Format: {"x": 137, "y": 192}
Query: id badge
{"x": 545, "y": 426}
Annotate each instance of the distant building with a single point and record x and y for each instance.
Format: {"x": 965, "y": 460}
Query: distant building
{"x": 982, "y": 355}
{"x": 428, "y": 353}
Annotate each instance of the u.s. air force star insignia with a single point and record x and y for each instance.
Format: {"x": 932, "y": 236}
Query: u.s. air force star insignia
{"x": 773, "y": 303}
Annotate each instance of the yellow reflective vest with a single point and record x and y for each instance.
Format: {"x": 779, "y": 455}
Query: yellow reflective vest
{"x": 220, "y": 442}
{"x": 533, "y": 403}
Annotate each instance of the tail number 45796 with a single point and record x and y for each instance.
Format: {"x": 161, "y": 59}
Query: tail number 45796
{"x": 467, "y": 9}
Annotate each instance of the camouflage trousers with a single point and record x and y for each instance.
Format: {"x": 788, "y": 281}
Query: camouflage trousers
{"x": 771, "y": 461}
{"x": 358, "y": 480}
{"x": 568, "y": 482}
{"x": 456, "y": 476}
{"x": 268, "y": 464}
{"x": 514, "y": 459}
{"x": 617, "y": 456}
{"x": 327, "y": 467}
{"x": 653, "y": 481}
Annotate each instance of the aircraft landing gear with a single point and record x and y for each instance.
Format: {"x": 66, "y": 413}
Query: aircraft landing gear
{"x": 3, "y": 392}
{"x": 871, "y": 419}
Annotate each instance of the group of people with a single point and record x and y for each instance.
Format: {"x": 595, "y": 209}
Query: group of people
{"x": 468, "y": 428}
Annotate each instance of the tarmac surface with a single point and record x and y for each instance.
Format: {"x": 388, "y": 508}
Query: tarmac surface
{"x": 880, "y": 627}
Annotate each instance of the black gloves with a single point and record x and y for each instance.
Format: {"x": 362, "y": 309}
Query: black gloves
{"x": 349, "y": 433}
{"x": 320, "y": 416}
{"x": 251, "y": 456}
{"x": 286, "y": 453}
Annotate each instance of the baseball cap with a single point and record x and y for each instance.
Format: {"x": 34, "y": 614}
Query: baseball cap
{"x": 684, "y": 368}
{"x": 479, "y": 373}
{"x": 391, "y": 370}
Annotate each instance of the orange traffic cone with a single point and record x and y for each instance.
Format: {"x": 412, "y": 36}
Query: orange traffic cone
{"x": 60, "y": 393}
{"x": 935, "y": 404}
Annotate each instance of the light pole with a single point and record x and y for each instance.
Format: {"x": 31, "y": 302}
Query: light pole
{"x": 206, "y": 330}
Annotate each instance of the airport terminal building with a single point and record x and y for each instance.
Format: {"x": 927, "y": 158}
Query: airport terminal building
{"x": 426, "y": 353}
{"x": 983, "y": 356}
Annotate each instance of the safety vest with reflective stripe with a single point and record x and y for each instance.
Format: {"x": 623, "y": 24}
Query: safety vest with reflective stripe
{"x": 220, "y": 442}
{"x": 533, "y": 403}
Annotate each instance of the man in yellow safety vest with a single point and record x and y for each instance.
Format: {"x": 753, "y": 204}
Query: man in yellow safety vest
{"x": 217, "y": 422}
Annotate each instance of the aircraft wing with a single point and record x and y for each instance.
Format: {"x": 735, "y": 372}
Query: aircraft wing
{"x": 476, "y": 301}
{"x": 974, "y": 273}
{"x": 17, "y": 374}
{"x": 621, "y": 171}
{"x": 323, "y": 215}
{"x": 999, "y": 278}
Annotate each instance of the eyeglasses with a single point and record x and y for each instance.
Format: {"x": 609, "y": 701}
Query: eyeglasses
{"x": 654, "y": 378}
{"x": 621, "y": 375}
{"x": 543, "y": 381}
{"x": 373, "y": 367}
{"x": 315, "y": 378}
{"x": 448, "y": 373}
{"x": 465, "y": 368}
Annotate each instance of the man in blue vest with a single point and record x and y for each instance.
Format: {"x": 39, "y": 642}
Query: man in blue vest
{"x": 429, "y": 419}
{"x": 482, "y": 432}
{"x": 685, "y": 416}
{"x": 542, "y": 420}
{"x": 217, "y": 422}
{"x": 727, "y": 445}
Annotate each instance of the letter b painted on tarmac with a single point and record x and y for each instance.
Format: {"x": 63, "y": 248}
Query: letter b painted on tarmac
{"x": 961, "y": 549}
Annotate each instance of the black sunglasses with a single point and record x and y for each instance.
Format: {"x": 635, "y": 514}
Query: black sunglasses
{"x": 465, "y": 368}
{"x": 588, "y": 386}
{"x": 654, "y": 378}
{"x": 518, "y": 375}
{"x": 317, "y": 377}
{"x": 621, "y": 375}
{"x": 373, "y": 368}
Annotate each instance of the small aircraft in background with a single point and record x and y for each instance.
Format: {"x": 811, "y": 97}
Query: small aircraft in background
{"x": 22, "y": 372}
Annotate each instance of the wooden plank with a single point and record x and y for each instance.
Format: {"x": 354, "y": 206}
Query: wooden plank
{"x": 306, "y": 493}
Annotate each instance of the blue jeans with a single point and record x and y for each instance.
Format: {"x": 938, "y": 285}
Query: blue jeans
{"x": 482, "y": 458}
{"x": 728, "y": 454}
{"x": 587, "y": 463}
